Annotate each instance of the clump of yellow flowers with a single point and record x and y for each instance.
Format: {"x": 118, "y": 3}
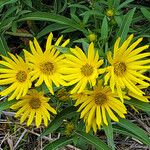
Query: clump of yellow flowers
{"x": 95, "y": 98}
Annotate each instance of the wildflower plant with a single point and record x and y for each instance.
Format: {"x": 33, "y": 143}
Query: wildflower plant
{"x": 79, "y": 67}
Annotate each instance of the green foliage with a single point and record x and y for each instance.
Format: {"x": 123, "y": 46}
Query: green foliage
{"x": 60, "y": 143}
{"x": 100, "y": 145}
{"x": 21, "y": 20}
{"x": 134, "y": 129}
{"x": 6, "y": 104}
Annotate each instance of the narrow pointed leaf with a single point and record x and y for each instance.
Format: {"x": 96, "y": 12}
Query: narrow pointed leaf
{"x": 146, "y": 13}
{"x": 60, "y": 143}
{"x": 123, "y": 131}
{"x": 141, "y": 105}
{"x": 3, "y": 46}
{"x": 6, "y": 104}
{"x": 44, "y": 16}
{"x": 98, "y": 143}
{"x": 109, "y": 133}
{"x": 131, "y": 127}
{"x": 104, "y": 28}
{"x": 124, "y": 29}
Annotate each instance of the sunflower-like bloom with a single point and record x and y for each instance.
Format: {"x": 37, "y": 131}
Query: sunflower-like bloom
{"x": 46, "y": 66}
{"x": 34, "y": 105}
{"x": 126, "y": 64}
{"x": 14, "y": 73}
{"x": 99, "y": 102}
{"x": 82, "y": 69}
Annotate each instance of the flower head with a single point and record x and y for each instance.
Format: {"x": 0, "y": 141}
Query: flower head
{"x": 98, "y": 103}
{"x": 15, "y": 74}
{"x": 82, "y": 69}
{"x": 46, "y": 66}
{"x": 127, "y": 66}
{"x": 92, "y": 37}
{"x": 34, "y": 105}
{"x": 69, "y": 128}
{"x": 110, "y": 12}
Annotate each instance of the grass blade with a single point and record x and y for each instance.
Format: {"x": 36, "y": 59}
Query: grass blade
{"x": 121, "y": 130}
{"x": 109, "y": 133}
{"x": 124, "y": 29}
{"x": 131, "y": 127}
{"x": 6, "y": 104}
{"x": 60, "y": 143}
{"x": 146, "y": 13}
{"x": 99, "y": 144}
{"x": 43, "y": 16}
{"x": 3, "y": 46}
{"x": 141, "y": 105}
{"x": 104, "y": 28}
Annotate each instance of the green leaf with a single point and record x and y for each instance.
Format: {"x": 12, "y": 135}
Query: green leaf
{"x": 3, "y": 46}
{"x": 68, "y": 30}
{"x": 79, "y": 6}
{"x": 124, "y": 29}
{"x": 86, "y": 15}
{"x": 141, "y": 105}
{"x": 9, "y": 12}
{"x": 109, "y": 133}
{"x": 27, "y": 2}
{"x": 6, "y": 24}
{"x": 6, "y": 104}
{"x": 99, "y": 144}
{"x": 69, "y": 111}
{"x": 50, "y": 28}
{"x": 124, "y": 4}
{"x": 146, "y": 13}
{"x": 126, "y": 132}
{"x": 104, "y": 28}
{"x": 131, "y": 127}
{"x": 60, "y": 143}
{"x": 4, "y": 2}
{"x": 44, "y": 16}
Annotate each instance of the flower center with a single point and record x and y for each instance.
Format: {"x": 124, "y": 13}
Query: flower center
{"x": 35, "y": 103}
{"x": 100, "y": 98}
{"x": 21, "y": 76}
{"x": 87, "y": 70}
{"x": 47, "y": 68}
{"x": 119, "y": 68}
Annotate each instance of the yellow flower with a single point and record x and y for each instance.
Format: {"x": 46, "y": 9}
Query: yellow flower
{"x": 46, "y": 66}
{"x": 34, "y": 105}
{"x": 82, "y": 69}
{"x": 15, "y": 74}
{"x": 100, "y": 101}
{"x": 126, "y": 64}
{"x": 92, "y": 37}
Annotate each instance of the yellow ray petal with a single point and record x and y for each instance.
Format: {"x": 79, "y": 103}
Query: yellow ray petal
{"x": 104, "y": 116}
{"x": 111, "y": 114}
{"x": 98, "y": 116}
{"x": 31, "y": 117}
{"x": 49, "y": 41}
{"x": 37, "y": 46}
{"x": 91, "y": 115}
{"x": 91, "y": 53}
